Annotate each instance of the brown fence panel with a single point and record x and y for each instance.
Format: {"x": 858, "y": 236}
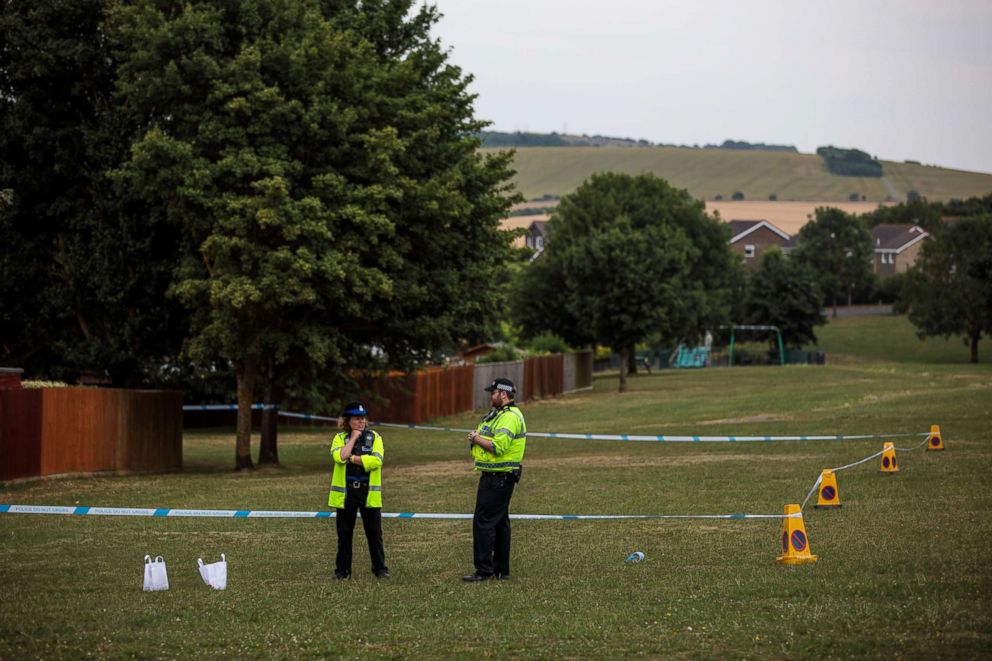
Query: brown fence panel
{"x": 446, "y": 391}
{"x": 57, "y": 431}
{"x": 398, "y": 398}
{"x": 79, "y": 430}
{"x": 150, "y": 433}
{"x": 543, "y": 376}
{"x": 20, "y": 433}
{"x": 431, "y": 393}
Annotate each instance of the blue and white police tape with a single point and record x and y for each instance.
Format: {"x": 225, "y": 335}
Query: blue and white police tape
{"x": 584, "y": 437}
{"x": 628, "y": 437}
{"x": 277, "y": 514}
{"x": 227, "y": 407}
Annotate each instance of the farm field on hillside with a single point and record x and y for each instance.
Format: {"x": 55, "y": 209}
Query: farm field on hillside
{"x": 902, "y": 569}
{"x": 712, "y": 172}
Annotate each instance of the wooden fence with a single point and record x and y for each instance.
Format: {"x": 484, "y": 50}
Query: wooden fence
{"x": 443, "y": 391}
{"x": 56, "y": 431}
{"x": 430, "y": 393}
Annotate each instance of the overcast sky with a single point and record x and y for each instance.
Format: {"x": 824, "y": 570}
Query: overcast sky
{"x": 900, "y": 79}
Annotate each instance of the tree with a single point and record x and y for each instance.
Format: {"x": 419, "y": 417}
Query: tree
{"x": 783, "y": 293}
{"x": 837, "y": 247}
{"x": 82, "y": 274}
{"x": 320, "y": 159}
{"x": 627, "y": 256}
{"x": 949, "y": 290}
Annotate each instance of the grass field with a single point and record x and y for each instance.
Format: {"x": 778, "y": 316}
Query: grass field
{"x": 706, "y": 173}
{"x": 903, "y": 567}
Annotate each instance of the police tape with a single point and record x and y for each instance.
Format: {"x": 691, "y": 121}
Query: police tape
{"x": 592, "y": 437}
{"x": 277, "y": 514}
{"x": 819, "y": 478}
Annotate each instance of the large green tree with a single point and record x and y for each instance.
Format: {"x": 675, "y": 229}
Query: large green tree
{"x": 948, "y": 292}
{"x": 320, "y": 160}
{"x": 82, "y": 275}
{"x": 837, "y": 247}
{"x": 783, "y": 293}
{"x": 627, "y": 257}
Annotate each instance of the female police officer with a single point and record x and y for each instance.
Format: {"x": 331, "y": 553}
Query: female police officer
{"x": 357, "y": 485}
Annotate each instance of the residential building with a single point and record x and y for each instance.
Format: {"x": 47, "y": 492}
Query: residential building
{"x": 752, "y": 238}
{"x": 896, "y": 248}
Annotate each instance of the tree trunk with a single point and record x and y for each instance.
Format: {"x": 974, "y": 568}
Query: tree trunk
{"x": 974, "y": 348}
{"x": 623, "y": 368}
{"x": 632, "y": 360}
{"x": 268, "y": 449}
{"x": 246, "y": 392}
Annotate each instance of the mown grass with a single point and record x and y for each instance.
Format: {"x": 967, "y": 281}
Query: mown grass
{"x": 707, "y": 173}
{"x": 903, "y": 567}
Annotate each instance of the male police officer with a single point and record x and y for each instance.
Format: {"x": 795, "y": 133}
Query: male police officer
{"x": 497, "y": 445}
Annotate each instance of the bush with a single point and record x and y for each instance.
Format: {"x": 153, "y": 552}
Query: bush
{"x": 850, "y": 162}
{"x": 548, "y": 343}
{"x": 888, "y": 290}
{"x": 504, "y": 354}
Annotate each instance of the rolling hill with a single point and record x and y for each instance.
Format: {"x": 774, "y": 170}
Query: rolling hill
{"x": 708, "y": 173}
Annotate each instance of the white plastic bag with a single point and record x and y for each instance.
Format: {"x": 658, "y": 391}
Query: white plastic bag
{"x": 156, "y": 577}
{"x": 214, "y": 574}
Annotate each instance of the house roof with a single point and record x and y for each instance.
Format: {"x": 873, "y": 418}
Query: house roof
{"x": 537, "y": 228}
{"x": 896, "y": 238}
{"x": 741, "y": 228}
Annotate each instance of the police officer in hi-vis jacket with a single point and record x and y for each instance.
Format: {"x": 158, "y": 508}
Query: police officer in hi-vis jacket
{"x": 497, "y": 446}
{"x": 356, "y": 484}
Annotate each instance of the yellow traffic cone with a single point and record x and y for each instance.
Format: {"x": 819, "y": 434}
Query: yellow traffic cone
{"x": 889, "y": 464}
{"x": 829, "y": 495}
{"x": 935, "y": 442}
{"x": 795, "y": 545}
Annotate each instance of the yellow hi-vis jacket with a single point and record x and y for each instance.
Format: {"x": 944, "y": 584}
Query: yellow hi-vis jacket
{"x": 506, "y": 428}
{"x": 372, "y": 463}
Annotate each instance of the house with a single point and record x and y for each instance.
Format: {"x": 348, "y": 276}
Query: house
{"x": 536, "y": 236}
{"x": 895, "y": 247}
{"x": 470, "y": 354}
{"x": 751, "y": 238}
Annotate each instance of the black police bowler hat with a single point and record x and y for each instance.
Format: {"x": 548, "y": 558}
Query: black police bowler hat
{"x": 501, "y": 384}
{"x": 354, "y": 408}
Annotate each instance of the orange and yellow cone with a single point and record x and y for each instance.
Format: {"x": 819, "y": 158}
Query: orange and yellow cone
{"x": 795, "y": 544}
{"x": 829, "y": 495}
{"x": 889, "y": 464}
{"x": 934, "y": 441}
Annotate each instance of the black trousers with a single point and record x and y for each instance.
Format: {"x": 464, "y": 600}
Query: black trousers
{"x": 372, "y": 523}
{"x": 491, "y": 524}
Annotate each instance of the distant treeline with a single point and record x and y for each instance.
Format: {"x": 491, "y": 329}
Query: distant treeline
{"x": 849, "y": 162}
{"x": 752, "y": 146}
{"x": 520, "y": 139}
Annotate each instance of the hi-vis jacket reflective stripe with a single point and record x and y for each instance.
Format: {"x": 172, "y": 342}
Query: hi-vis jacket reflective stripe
{"x": 372, "y": 463}
{"x": 508, "y": 432}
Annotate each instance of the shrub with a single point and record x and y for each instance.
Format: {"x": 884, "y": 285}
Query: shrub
{"x": 504, "y": 354}
{"x": 548, "y": 343}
